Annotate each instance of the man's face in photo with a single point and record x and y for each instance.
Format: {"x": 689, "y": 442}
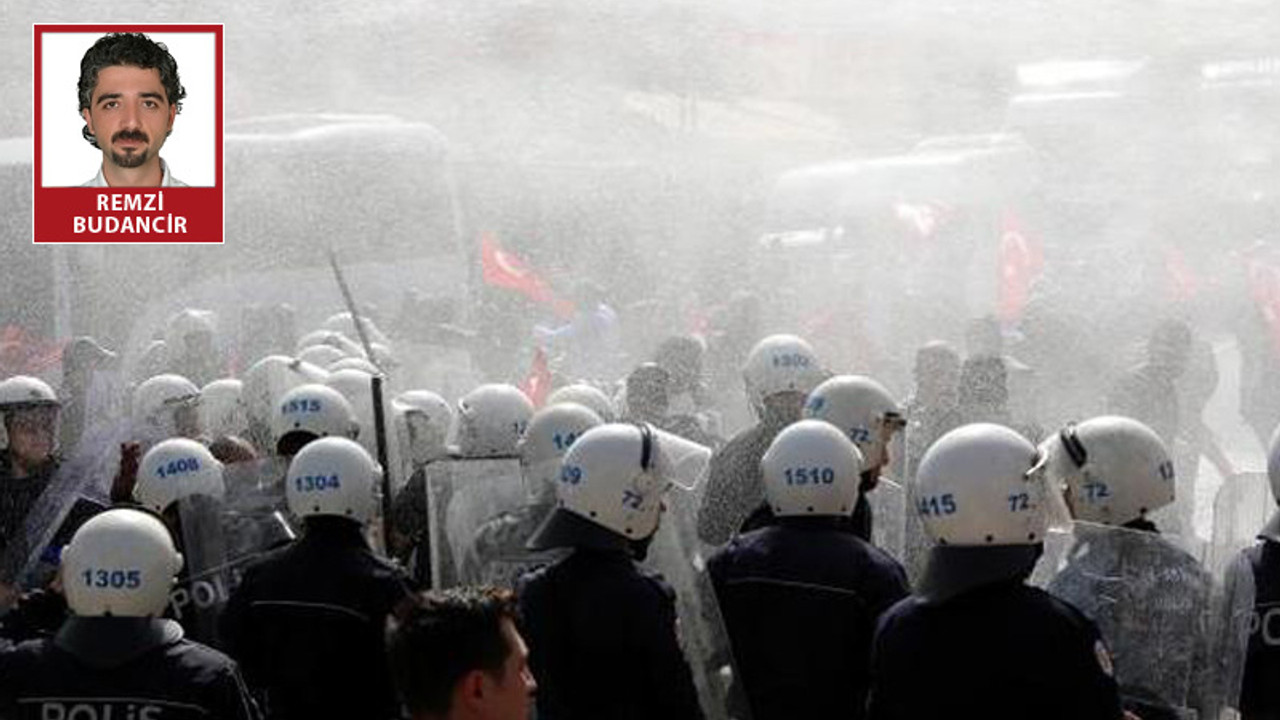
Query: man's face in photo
{"x": 129, "y": 114}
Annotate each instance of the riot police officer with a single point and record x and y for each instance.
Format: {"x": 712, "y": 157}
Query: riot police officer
{"x": 602, "y": 633}
{"x": 116, "y": 657}
{"x": 801, "y": 598}
{"x": 307, "y": 622}
{"x": 975, "y": 640}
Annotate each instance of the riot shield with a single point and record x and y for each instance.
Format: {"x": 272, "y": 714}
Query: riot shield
{"x": 38, "y": 518}
{"x": 1240, "y": 510}
{"x": 479, "y": 520}
{"x": 220, "y": 539}
{"x": 1154, "y": 605}
{"x": 679, "y": 557}
{"x": 889, "y": 518}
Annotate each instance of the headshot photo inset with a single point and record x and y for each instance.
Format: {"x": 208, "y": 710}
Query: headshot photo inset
{"x": 144, "y": 114}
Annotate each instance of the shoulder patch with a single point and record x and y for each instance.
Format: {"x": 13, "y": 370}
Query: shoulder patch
{"x": 1104, "y": 658}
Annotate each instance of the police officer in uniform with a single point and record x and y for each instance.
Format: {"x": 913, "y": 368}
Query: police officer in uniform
{"x": 801, "y": 598}
{"x": 1149, "y": 598}
{"x": 497, "y": 555}
{"x": 29, "y": 409}
{"x": 602, "y": 633}
{"x": 865, "y": 412}
{"x": 116, "y": 658}
{"x": 779, "y": 373}
{"x": 1260, "y": 690}
{"x": 307, "y": 622}
{"x": 975, "y": 640}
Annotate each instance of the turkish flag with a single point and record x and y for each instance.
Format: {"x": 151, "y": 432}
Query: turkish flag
{"x": 1021, "y": 262}
{"x": 22, "y": 353}
{"x": 538, "y": 383}
{"x": 1264, "y": 286}
{"x": 506, "y": 270}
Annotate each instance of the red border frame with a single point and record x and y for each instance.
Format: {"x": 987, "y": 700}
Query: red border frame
{"x": 207, "y": 203}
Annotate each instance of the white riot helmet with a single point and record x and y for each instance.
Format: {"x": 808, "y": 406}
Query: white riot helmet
{"x": 175, "y": 469}
{"x": 781, "y": 363}
{"x": 1273, "y": 464}
{"x": 188, "y": 323}
{"x": 811, "y": 468}
{"x": 120, "y": 563}
{"x": 333, "y": 476}
{"x": 169, "y": 403}
{"x": 357, "y": 387}
{"x": 423, "y": 420}
{"x": 615, "y": 475}
{"x": 321, "y": 355}
{"x": 221, "y": 409}
{"x": 342, "y": 323}
{"x": 587, "y": 396}
{"x": 331, "y": 338}
{"x": 22, "y": 392}
{"x": 491, "y": 421}
{"x": 354, "y": 363}
{"x": 976, "y": 486}
{"x": 317, "y": 410}
{"x": 552, "y": 430}
{"x": 267, "y": 380}
{"x": 862, "y": 409}
{"x": 1113, "y": 469}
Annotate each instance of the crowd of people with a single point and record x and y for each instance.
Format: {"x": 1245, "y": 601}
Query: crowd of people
{"x": 282, "y": 543}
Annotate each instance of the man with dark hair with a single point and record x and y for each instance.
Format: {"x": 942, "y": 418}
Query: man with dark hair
{"x": 129, "y": 96}
{"x": 457, "y": 654}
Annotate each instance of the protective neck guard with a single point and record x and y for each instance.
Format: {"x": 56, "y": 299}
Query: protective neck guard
{"x": 109, "y": 642}
{"x": 953, "y": 571}
{"x": 563, "y": 528}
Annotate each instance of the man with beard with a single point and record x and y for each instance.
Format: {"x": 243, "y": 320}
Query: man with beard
{"x": 129, "y": 97}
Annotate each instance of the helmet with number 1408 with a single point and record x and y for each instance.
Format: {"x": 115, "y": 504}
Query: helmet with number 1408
{"x": 175, "y": 469}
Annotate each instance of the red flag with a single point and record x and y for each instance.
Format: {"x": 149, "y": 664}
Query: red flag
{"x": 1264, "y": 285}
{"x": 22, "y": 353}
{"x": 538, "y": 383}
{"x": 506, "y": 270}
{"x": 1021, "y": 262}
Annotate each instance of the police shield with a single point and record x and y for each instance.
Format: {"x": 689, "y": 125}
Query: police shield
{"x": 480, "y": 518}
{"x": 889, "y": 517}
{"x": 1241, "y": 509}
{"x": 219, "y": 539}
{"x": 679, "y": 557}
{"x": 1154, "y": 605}
{"x": 39, "y": 514}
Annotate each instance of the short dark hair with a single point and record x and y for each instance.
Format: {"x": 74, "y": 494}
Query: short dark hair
{"x": 133, "y": 49}
{"x": 445, "y": 635}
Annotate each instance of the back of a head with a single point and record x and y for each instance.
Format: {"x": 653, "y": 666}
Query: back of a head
{"x": 491, "y": 420}
{"x": 175, "y": 469}
{"x": 120, "y": 563}
{"x": 333, "y": 477}
{"x": 862, "y": 409}
{"x": 586, "y": 395}
{"x": 445, "y": 636}
{"x": 312, "y": 411}
{"x": 780, "y": 364}
{"x": 552, "y": 431}
{"x": 1114, "y": 470}
{"x": 975, "y": 488}
{"x": 648, "y": 389}
{"x": 811, "y": 469}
